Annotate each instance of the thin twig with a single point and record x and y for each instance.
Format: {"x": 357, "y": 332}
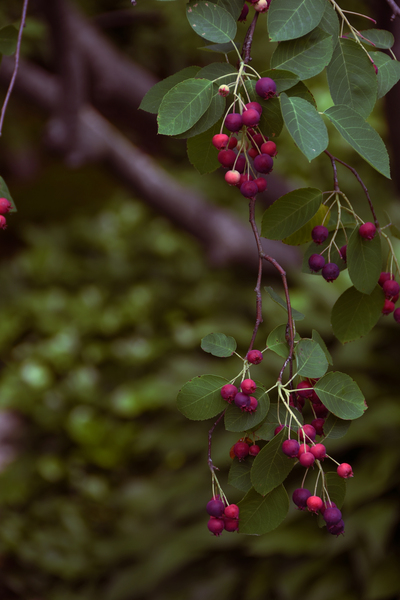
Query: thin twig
{"x": 14, "y": 75}
{"x": 210, "y": 462}
{"x": 395, "y": 9}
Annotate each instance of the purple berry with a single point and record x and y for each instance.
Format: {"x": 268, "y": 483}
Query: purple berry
{"x": 254, "y": 105}
{"x": 233, "y": 122}
{"x": 367, "y": 231}
{"x": 343, "y": 253}
{"x": 330, "y": 271}
{"x": 216, "y": 526}
{"x": 215, "y": 507}
{"x": 384, "y": 277}
{"x": 243, "y": 14}
{"x": 266, "y": 87}
{"x": 396, "y": 315}
{"x": 254, "y": 357}
{"x": 228, "y": 392}
{"x": 291, "y": 448}
{"x": 300, "y": 497}
{"x": 242, "y": 400}
{"x": 391, "y": 288}
{"x": 318, "y": 425}
{"x": 249, "y": 189}
{"x": 316, "y": 262}
{"x": 252, "y": 405}
{"x": 336, "y": 529}
{"x": 263, "y": 163}
{"x": 319, "y": 234}
{"x": 332, "y": 516}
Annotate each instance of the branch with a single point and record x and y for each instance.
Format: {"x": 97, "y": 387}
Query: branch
{"x": 395, "y": 8}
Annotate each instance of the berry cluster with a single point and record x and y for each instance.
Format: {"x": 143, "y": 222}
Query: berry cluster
{"x": 391, "y": 290}
{"x": 243, "y": 399}
{"x": 5, "y": 207}
{"x": 222, "y": 516}
{"x": 250, "y": 154}
{"x": 329, "y": 511}
{"x": 244, "y": 447}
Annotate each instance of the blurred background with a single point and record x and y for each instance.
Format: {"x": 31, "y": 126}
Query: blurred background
{"x": 119, "y": 260}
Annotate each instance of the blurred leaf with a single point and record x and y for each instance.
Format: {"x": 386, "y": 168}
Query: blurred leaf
{"x": 297, "y": 316}
{"x": 364, "y": 261}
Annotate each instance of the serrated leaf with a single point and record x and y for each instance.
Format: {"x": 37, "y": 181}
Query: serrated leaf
{"x": 311, "y": 359}
{"x": 271, "y": 121}
{"x": 305, "y": 126}
{"x": 303, "y": 234}
{"x": 300, "y": 90}
{"x": 290, "y": 212}
{"x": 276, "y": 341}
{"x": 283, "y": 79}
{"x": 219, "y": 344}
{"x": 271, "y": 466}
{"x": 307, "y": 56}
{"x": 364, "y": 261}
{"x": 5, "y": 193}
{"x": 388, "y": 72}
{"x": 202, "y": 153}
{"x": 354, "y": 314}
{"x": 212, "y": 115}
{"x": 239, "y": 474}
{"x": 211, "y": 22}
{"x": 259, "y": 515}
{"x": 201, "y": 399}
{"x": 152, "y": 100}
{"x": 341, "y": 395}
{"x": 8, "y": 40}
{"x": 335, "y": 428}
{"x": 290, "y": 19}
{"x": 378, "y": 38}
{"x": 351, "y": 78}
{"x": 330, "y": 22}
{"x": 317, "y": 338}
{"x": 297, "y": 316}
{"x": 361, "y": 136}
{"x": 237, "y": 420}
{"x": 183, "y": 106}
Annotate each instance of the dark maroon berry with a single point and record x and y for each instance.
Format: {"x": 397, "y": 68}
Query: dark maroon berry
{"x": 330, "y": 272}
{"x": 396, "y": 315}
{"x": 231, "y": 525}
{"x": 216, "y": 526}
{"x": 241, "y": 450}
{"x": 319, "y": 234}
{"x": 220, "y": 141}
{"x": 384, "y": 277}
{"x": 232, "y": 511}
{"x": 344, "y": 470}
{"x": 233, "y": 122}
{"x": 278, "y": 429}
{"x": 367, "y": 231}
{"x": 242, "y": 400}
{"x": 255, "y": 106}
{"x": 254, "y": 450}
{"x": 320, "y": 410}
{"x": 331, "y": 516}
{"x": 318, "y": 425}
{"x": 300, "y": 497}
{"x": 240, "y": 164}
{"x": 227, "y": 158}
{"x": 304, "y": 389}
{"x": 261, "y": 184}
{"x": 391, "y": 288}
{"x": 314, "y": 504}
{"x": 215, "y": 507}
{"x": 307, "y": 432}
{"x": 343, "y": 253}
{"x": 257, "y": 139}
{"x": 229, "y": 391}
{"x": 254, "y": 357}
{"x": 263, "y": 163}
{"x": 243, "y": 14}
{"x": 248, "y": 386}
{"x": 251, "y": 117}
{"x": 249, "y": 189}
{"x": 388, "y": 307}
{"x": 336, "y": 529}
{"x": 319, "y": 451}
{"x": 266, "y": 87}
{"x": 316, "y": 262}
{"x": 291, "y": 448}
{"x": 326, "y": 505}
{"x": 232, "y": 143}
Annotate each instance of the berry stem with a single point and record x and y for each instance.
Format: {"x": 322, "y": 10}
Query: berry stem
{"x": 211, "y": 431}
{"x": 248, "y": 40}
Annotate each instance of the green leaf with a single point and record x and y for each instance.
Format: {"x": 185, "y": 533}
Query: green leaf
{"x": 311, "y": 359}
{"x": 297, "y": 316}
{"x": 211, "y": 22}
{"x": 361, "y": 136}
{"x": 237, "y": 420}
{"x": 271, "y": 122}
{"x": 5, "y": 193}
{"x": 224, "y": 73}
{"x": 212, "y": 115}
{"x": 364, "y": 261}
{"x": 305, "y": 125}
{"x": 317, "y": 338}
{"x": 341, "y": 395}
{"x": 271, "y": 466}
{"x": 152, "y": 100}
{"x": 351, "y": 78}
{"x": 239, "y": 474}
{"x": 283, "y": 79}
{"x": 354, "y": 314}
{"x": 388, "y": 72}
{"x": 300, "y": 90}
{"x": 379, "y": 38}
{"x": 290, "y": 19}
{"x": 307, "y": 56}
{"x": 201, "y": 399}
{"x": 290, "y": 212}
{"x": 219, "y": 344}
{"x": 8, "y": 40}
{"x": 276, "y": 341}
{"x": 221, "y": 48}
{"x": 335, "y": 428}
{"x": 336, "y": 488}
{"x": 202, "y": 153}
{"x": 234, "y": 7}
{"x": 330, "y": 22}
{"x": 303, "y": 235}
{"x": 183, "y": 106}
{"x": 259, "y": 515}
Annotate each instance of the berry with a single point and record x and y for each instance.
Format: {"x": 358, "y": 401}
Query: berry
{"x": 344, "y": 470}
{"x": 241, "y": 450}
{"x": 243, "y": 14}
{"x": 257, "y": 139}
{"x": 245, "y": 177}
{"x": 343, "y": 253}
{"x": 307, "y": 432}
{"x": 319, "y": 451}
{"x": 266, "y": 87}
{"x": 367, "y": 231}
{"x": 216, "y": 526}
{"x": 248, "y": 386}
{"x": 314, "y": 503}
{"x": 268, "y": 148}
{"x": 3, "y": 222}
{"x": 231, "y": 525}
{"x": 229, "y": 391}
{"x": 263, "y": 163}
{"x": 232, "y": 511}
{"x": 320, "y": 410}
{"x": 336, "y": 529}
{"x": 261, "y": 184}
{"x": 254, "y": 356}
{"x": 300, "y": 497}
{"x": 232, "y": 177}
{"x": 252, "y": 405}
{"x": 223, "y": 90}
{"x": 5, "y": 206}
{"x": 388, "y": 307}
{"x": 254, "y": 450}
{"x": 396, "y": 315}
{"x": 391, "y": 288}
{"x": 215, "y": 507}
{"x": 319, "y": 234}
{"x": 251, "y": 117}
{"x": 232, "y": 143}
{"x": 220, "y": 141}
{"x": 332, "y": 515}
{"x": 318, "y": 425}
{"x": 291, "y": 448}
{"x": 253, "y": 153}
{"x": 330, "y": 272}
{"x": 262, "y": 5}
{"x": 242, "y": 400}
{"x": 249, "y": 189}
{"x": 384, "y": 277}
{"x": 278, "y": 429}
{"x": 327, "y": 505}
{"x": 233, "y": 122}
{"x": 302, "y": 391}
{"x": 316, "y": 262}
{"x": 306, "y": 459}
{"x": 254, "y": 105}
{"x": 227, "y": 158}
{"x": 303, "y": 448}
{"x": 240, "y": 164}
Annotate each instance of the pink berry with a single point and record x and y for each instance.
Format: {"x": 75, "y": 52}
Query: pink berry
{"x": 252, "y": 405}
{"x": 251, "y": 117}
{"x": 261, "y": 184}
{"x": 233, "y": 122}
{"x": 384, "y": 277}
{"x": 220, "y": 141}
{"x": 319, "y": 234}
{"x": 314, "y": 503}
{"x": 344, "y": 470}
{"x": 232, "y": 177}
{"x": 388, "y": 307}
{"x": 316, "y": 262}
{"x": 307, "y": 432}
{"x": 231, "y": 525}
{"x": 254, "y": 450}
{"x": 291, "y": 448}
{"x": 269, "y": 148}
{"x": 263, "y": 163}
{"x": 278, "y": 429}
{"x": 330, "y": 272}
{"x": 367, "y": 231}
{"x": 254, "y": 105}
{"x": 216, "y": 526}
{"x": 248, "y": 386}
{"x": 228, "y": 392}
{"x": 215, "y": 507}
{"x": 319, "y": 451}
{"x": 5, "y": 206}
{"x": 391, "y": 288}
{"x": 227, "y": 158}
{"x": 303, "y": 449}
{"x": 306, "y": 459}
{"x": 266, "y": 87}
{"x": 254, "y": 357}
{"x": 3, "y": 222}
{"x": 300, "y": 497}
{"x": 249, "y": 189}
{"x": 241, "y": 450}
{"x": 232, "y": 511}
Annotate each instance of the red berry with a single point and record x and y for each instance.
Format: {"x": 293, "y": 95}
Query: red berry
{"x": 306, "y": 459}
{"x": 231, "y": 525}
{"x": 261, "y": 184}
{"x": 319, "y": 451}
{"x": 396, "y": 315}
{"x": 233, "y": 122}
{"x": 314, "y": 503}
{"x": 367, "y": 231}
{"x": 216, "y": 526}
{"x": 248, "y": 386}
{"x": 344, "y": 470}
{"x": 291, "y": 448}
{"x": 278, "y": 429}
{"x": 251, "y": 117}
{"x": 266, "y": 87}
{"x": 257, "y": 139}
{"x": 304, "y": 389}
{"x": 254, "y": 105}
{"x": 263, "y": 163}
{"x": 254, "y": 450}
{"x": 319, "y": 234}
{"x": 232, "y": 143}
{"x": 227, "y": 158}
{"x": 303, "y": 449}
{"x": 232, "y": 511}
{"x": 229, "y": 391}
{"x": 330, "y": 272}
{"x": 269, "y": 148}
{"x": 241, "y": 450}
{"x": 249, "y": 189}
{"x": 232, "y": 177}
{"x": 388, "y": 307}
{"x": 307, "y": 432}
{"x": 300, "y": 497}
{"x": 220, "y": 141}
{"x": 384, "y": 277}
{"x": 391, "y": 288}
{"x": 240, "y": 164}
{"x": 316, "y": 262}
{"x": 5, "y": 206}
{"x": 3, "y": 222}
{"x": 254, "y": 357}
{"x": 215, "y": 507}
{"x": 343, "y": 253}
{"x": 253, "y": 153}
{"x": 252, "y": 405}
{"x": 318, "y": 425}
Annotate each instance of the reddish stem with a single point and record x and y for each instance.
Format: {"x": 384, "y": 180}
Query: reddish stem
{"x": 210, "y": 462}
{"x": 248, "y": 40}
